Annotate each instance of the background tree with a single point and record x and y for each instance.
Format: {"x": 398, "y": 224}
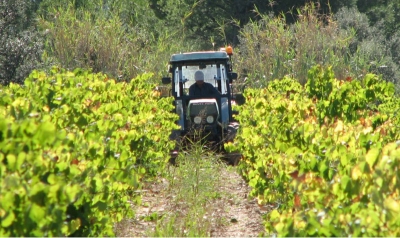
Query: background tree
{"x": 124, "y": 38}
{"x": 386, "y": 13}
{"x": 20, "y": 45}
{"x": 372, "y": 49}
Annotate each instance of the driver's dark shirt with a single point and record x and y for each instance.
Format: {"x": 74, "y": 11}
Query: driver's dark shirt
{"x": 207, "y": 90}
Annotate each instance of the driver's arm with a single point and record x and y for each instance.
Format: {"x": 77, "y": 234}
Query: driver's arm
{"x": 213, "y": 90}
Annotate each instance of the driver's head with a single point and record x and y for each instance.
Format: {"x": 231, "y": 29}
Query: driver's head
{"x": 199, "y": 77}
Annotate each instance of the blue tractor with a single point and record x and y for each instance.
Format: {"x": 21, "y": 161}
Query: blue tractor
{"x": 205, "y": 114}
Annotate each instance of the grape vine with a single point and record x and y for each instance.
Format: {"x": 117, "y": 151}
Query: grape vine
{"x": 74, "y": 148}
{"x": 326, "y": 154}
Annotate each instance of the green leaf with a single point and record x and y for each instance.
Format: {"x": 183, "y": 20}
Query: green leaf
{"x": 51, "y": 179}
{"x": 102, "y": 206}
{"x": 11, "y": 161}
{"x": 294, "y": 151}
{"x": 71, "y": 192}
{"x": 46, "y": 132}
{"x": 142, "y": 170}
{"x": 356, "y": 172}
{"x": 280, "y": 228}
{"x": 322, "y": 167}
{"x": 376, "y": 196}
{"x": 36, "y": 213}
{"x": 274, "y": 215}
{"x": 336, "y": 189}
{"x": 8, "y": 219}
{"x": 364, "y": 167}
{"x": 99, "y": 184}
{"x": 372, "y": 156}
{"x": 392, "y": 205}
{"x": 7, "y": 201}
{"x": 343, "y": 160}
{"x": 20, "y": 159}
{"x": 75, "y": 224}
{"x": 344, "y": 181}
{"x": 379, "y": 182}
{"x": 342, "y": 151}
{"x": 37, "y": 188}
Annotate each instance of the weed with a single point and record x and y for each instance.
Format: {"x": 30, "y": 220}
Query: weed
{"x": 76, "y": 39}
{"x": 194, "y": 183}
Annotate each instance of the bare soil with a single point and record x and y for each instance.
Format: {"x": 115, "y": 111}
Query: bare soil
{"x": 233, "y": 214}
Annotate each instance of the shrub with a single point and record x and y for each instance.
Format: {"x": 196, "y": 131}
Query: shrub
{"x": 271, "y": 49}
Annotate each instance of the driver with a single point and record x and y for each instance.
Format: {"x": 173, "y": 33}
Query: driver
{"x": 201, "y": 88}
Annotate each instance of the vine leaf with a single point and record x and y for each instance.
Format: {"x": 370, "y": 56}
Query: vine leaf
{"x": 372, "y": 156}
{"x": 7, "y": 221}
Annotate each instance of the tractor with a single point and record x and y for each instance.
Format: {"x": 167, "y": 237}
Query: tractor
{"x": 204, "y": 117}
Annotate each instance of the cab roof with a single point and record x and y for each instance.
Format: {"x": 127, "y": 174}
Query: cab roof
{"x": 202, "y": 55}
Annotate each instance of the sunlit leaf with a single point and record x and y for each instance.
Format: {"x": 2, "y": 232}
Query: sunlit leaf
{"x": 372, "y": 156}
{"x": 8, "y": 219}
{"x": 36, "y": 212}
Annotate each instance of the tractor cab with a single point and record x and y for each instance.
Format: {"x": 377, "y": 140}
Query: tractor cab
{"x": 208, "y": 113}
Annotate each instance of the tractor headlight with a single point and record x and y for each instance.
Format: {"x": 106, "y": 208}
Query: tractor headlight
{"x": 197, "y": 120}
{"x": 210, "y": 119}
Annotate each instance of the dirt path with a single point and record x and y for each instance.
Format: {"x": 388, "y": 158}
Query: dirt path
{"x": 232, "y": 214}
{"x": 244, "y": 215}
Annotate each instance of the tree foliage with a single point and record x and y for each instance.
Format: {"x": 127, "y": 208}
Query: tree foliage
{"x": 386, "y": 13}
{"x": 371, "y": 46}
{"x": 152, "y": 30}
{"x": 21, "y": 44}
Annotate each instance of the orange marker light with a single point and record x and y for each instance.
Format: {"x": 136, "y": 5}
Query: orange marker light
{"x": 229, "y": 50}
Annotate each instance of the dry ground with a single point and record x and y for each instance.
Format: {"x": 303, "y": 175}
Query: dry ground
{"x": 232, "y": 214}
